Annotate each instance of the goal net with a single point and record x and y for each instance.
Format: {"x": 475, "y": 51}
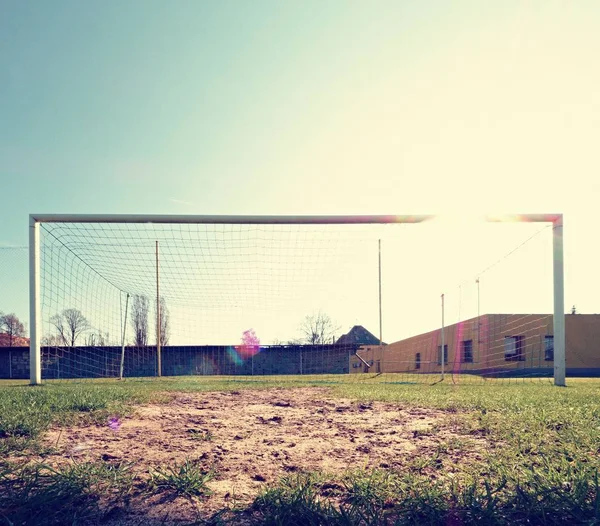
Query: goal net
{"x": 492, "y": 317}
{"x": 254, "y": 296}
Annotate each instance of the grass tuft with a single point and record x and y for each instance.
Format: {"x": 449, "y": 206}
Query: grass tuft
{"x": 187, "y": 479}
{"x": 198, "y": 434}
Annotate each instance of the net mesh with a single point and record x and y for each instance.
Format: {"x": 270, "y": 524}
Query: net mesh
{"x": 497, "y": 309}
{"x": 251, "y": 300}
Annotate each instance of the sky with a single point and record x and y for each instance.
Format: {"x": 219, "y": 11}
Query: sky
{"x": 268, "y": 107}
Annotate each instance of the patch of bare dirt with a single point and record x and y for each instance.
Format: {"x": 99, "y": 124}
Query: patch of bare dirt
{"x": 252, "y": 438}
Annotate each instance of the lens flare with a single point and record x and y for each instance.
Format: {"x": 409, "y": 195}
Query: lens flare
{"x": 234, "y": 356}
{"x": 114, "y": 423}
{"x": 250, "y": 347}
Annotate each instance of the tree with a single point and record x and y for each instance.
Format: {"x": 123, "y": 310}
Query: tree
{"x": 165, "y": 329}
{"x": 97, "y": 339}
{"x": 139, "y": 319}
{"x": 250, "y": 344}
{"x": 318, "y": 329}
{"x": 69, "y": 325}
{"x": 12, "y": 327}
{"x": 52, "y": 340}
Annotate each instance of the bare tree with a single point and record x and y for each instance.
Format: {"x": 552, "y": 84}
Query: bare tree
{"x": 12, "y": 327}
{"x": 52, "y": 340}
{"x": 97, "y": 339}
{"x": 165, "y": 328}
{"x": 69, "y": 325}
{"x": 139, "y": 319}
{"x": 318, "y": 328}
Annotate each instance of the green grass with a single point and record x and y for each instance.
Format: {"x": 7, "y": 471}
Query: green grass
{"x": 403, "y": 498}
{"x": 187, "y": 479}
{"x": 541, "y": 467}
{"x": 197, "y": 434}
{"x": 36, "y": 494}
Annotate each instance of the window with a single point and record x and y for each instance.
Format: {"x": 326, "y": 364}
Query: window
{"x": 440, "y": 355}
{"x": 549, "y": 348}
{"x": 467, "y": 351}
{"x": 513, "y": 348}
{"x": 418, "y": 360}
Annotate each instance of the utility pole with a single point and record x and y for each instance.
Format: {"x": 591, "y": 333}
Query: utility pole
{"x": 443, "y": 354}
{"x": 158, "y": 356}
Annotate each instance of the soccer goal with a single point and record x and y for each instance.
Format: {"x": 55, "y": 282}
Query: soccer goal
{"x": 122, "y": 296}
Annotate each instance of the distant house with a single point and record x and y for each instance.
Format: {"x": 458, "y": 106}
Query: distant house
{"x": 5, "y": 341}
{"x": 358, "y": 335}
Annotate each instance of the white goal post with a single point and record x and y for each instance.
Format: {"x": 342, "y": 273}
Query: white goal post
{"x": 35, "y": 276}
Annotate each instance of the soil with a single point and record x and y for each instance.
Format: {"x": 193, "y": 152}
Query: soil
{"x": 252, "y": 438}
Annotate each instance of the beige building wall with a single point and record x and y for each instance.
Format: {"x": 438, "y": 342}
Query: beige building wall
{"x": 488, "y": 344}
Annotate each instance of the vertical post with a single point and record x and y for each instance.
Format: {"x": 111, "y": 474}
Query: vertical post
{"x": 559, "y": 303}
{"x": 478, "y": 315}
{"x": 380, "y": 312}
{"x": 158, "y": 357}
{"x": 35, "y": 355}
{"x": 442, "y": 353}
{"x": 123, "y": 338}
{"x": 478, "y": 298}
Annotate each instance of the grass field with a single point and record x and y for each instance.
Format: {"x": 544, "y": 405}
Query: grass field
{"x": 536, "y": 463}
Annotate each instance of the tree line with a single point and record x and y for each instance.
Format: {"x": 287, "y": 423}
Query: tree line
{"x": 72, "y": 326}
{"x": 12, "y": 328}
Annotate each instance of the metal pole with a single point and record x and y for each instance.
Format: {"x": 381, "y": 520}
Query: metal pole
{"x": 478, "y": 297}
{"x": 276, "y": 219}
{"x": 478, "y": 314}
{"x": 234, "y": 219}
{"x": 123, "y": 338}
{"x": 380, "y": 314}
{"x": 35, "y": 355}
{"x": 442, "y": 352}
{"x": 559, "y": 304}
{"x": 158, "y": 357}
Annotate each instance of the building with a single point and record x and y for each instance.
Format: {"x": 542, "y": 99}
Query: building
{"x": 358, "y": 334}
{"x": 492, "y": 344}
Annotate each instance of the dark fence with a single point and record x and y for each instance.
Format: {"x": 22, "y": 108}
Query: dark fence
{"x": 99, "y": 362}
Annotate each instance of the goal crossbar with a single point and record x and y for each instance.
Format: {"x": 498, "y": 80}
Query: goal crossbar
{"x": 34, "y": 257}
{"x": 277, "y": 219}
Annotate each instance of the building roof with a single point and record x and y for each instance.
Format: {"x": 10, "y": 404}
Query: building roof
{"x": 358, "y": 335}
{"x": 17, "y": 341}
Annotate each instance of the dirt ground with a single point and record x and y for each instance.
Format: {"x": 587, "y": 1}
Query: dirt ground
{"x": 253, "y": 438}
